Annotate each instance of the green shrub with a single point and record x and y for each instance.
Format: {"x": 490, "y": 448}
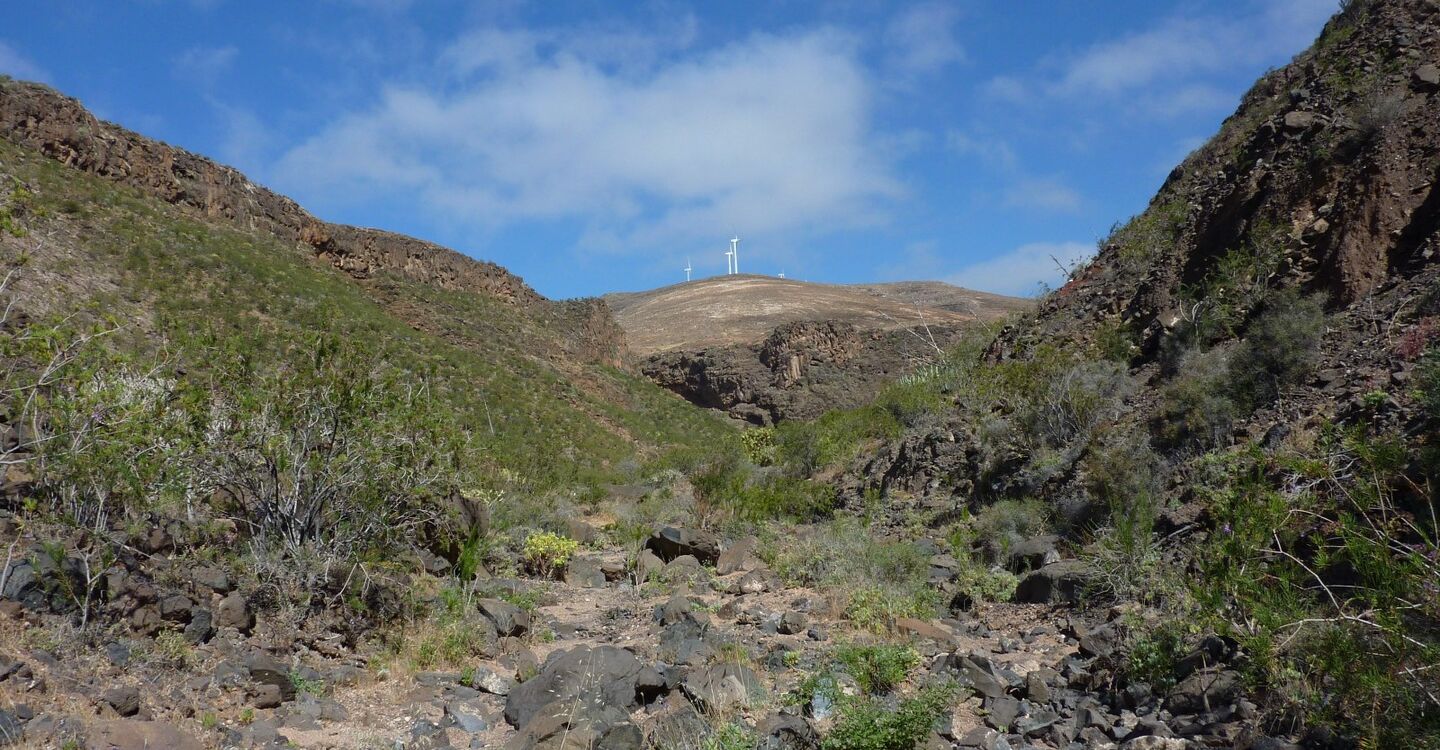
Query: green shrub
{"x": 1115, "y": 341}
{"x": 1006, "y": 523}
{"x": 759, "y": 445}
{"x": 834, "y": 438}
{"x": 878, "y": 669}
{"x": 877, "y": 579}
{"x": 1196, "y": 407}
{"x": 547, "y": 554}
{"x": 732, "y": 488}
{"x": 1152, "y": 657}
{"x": 328, "y": 449}
{"x": 1428, "y": 381}
{"x": 1279, "y": 349}
{"x": 1305, "y": 571}
{"x": 876, "y": 608}
{"x": 731, "y": 736}
{"x": 872, "y": 724}
{"x": 1073, "y": 401}
{"x": 1147, "y": 235}
{"x": 986, "y": 584}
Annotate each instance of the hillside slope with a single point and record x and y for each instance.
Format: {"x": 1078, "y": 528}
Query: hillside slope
{"x": 1229, "y": 419}
{"x": 767, "y": 349}
{"x": 112, "y": 225}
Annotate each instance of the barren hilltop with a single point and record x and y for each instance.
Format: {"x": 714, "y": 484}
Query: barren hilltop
{"x": 743, "y": 309}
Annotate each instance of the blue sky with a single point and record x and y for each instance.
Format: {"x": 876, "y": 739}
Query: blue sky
{"x": 594, "y": 146}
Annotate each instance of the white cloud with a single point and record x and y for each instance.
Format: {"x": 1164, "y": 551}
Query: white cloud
{"x": 770, "y": 134}
{"x": 608, "y": 47}
{"x": 17, "y": 65}
{"x": 1025, "y": 270}
{"x": 1155, "y": 70}
{"x": 1049, "y": 194}
{"x": 204, "y": 65}
{"x": 993, "y": 152}
{"x": 921, "y": 39}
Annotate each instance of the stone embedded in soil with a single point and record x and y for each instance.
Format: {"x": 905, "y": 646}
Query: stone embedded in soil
{"x": 578, "y": 725}
{"x": 604, "y": 675}
{"x": 125, "y": 700}
{"x": 1056, "y": 583}
{"x": 1204, "y": 690}
{"x": 267, "y": 670}
{"x": 466, "y": 717}
{"x": 737, "y": 557}
{"x": 671, "y": 542}
{"x": 720, "y": 687}
{"x": 234, "y": 612}
{"x": 490, "y": 681}
{"x": 509, "y": 620}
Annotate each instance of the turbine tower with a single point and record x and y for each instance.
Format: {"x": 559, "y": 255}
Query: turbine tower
{"x": 735, "y": 252}
{"x": 687, "y": 269}
{"x": 729, "y": 262}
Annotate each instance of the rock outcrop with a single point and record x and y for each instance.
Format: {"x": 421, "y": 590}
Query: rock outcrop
{"x": 799, "y": 371}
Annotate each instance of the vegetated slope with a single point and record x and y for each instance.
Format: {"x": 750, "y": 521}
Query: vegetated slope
{"x": 173, "y": 246}
{"x": 1231, "y": 416}
{"x": 766, "y": 349}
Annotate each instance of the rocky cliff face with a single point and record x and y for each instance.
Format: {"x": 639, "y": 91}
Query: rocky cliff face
{"x": 60, "y": 127}
{"x": 1326, "y": 179}
{"x": 800, "y": 371}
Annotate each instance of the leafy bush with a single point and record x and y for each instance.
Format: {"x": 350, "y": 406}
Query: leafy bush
{"x": 1196, "y": 407}
{"x": 759, "y": 445}
{"x": 878, "y": 669}
{"x": 1073, "y": 401}
{"x": 1006, "y": 523}
{"x": 834, "y": 438}
{"x": 1115, "y": 341}
{"x": 1147, "y": 235}
{"x": 1279, "y": 349}
{"x": 986, "y": 584}
{"x": 1125, "y": 476}
{"x": 1428, "y": 382}
{"x": 876, "y": 608}
{"x": 731, "y": 736}
{"x": 872, "y": 724}
{"x": 328, "y": 449}
{"x": 546, "y": 554}
{"x": 732, "y": 489}
{"x": 874, "y": 579}
{"x": 1344, "y": 618}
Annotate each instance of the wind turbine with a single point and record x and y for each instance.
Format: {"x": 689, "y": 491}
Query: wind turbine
{"x": 729, "y": 262}
{"x": 735, "y": 251}
{"x": 687, "y": 269}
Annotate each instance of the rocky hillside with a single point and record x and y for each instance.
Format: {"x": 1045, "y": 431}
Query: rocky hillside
{"x": 38, "y": 118}
{"x": 1230, "y": 416}
{"x": 766, "y": 349}
{"x": 103, "y": 224}
{"x": 1188, "y": 502}
{"x": 1325, "y": 180}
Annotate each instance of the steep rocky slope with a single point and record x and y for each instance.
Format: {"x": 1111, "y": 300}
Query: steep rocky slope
{"x": 766, "y": 349}
{"x": 1327, "y": 178}
{"x": 39, "y": 118}
{"x": 1230, "y": 417}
